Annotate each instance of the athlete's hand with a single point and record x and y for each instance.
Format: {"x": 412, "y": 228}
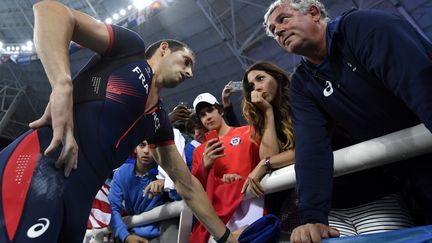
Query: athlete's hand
{"x": 59, "y": 114}
{"x": 238, "y": 232}
{"x": 135, "y": 239}
{"x": 233, "y": 238}
{"x": 312, "y": 233}
{"x": 254, "y": 178}
{"x": 258, "y": 100}
{"x": 212, "y": 151}
{"x": 154, "y": 188}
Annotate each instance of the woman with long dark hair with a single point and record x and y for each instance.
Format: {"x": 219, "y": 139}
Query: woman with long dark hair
{"x": 266, "y": 108}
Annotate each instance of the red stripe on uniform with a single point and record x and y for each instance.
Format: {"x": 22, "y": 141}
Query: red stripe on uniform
{"x": 161, "y": 144}
{"x": 111, "y": 38}
{"x": 165, "y": 143}
{"x": 127, "y": 131}
{"x": 17, "y": 177}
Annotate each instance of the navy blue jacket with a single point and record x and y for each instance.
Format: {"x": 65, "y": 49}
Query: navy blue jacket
{"x": 376, "y": 79}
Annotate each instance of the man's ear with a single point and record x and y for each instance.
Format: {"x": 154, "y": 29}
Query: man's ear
{"x": 163, "y": 47}
{"x": 315, "y": 13}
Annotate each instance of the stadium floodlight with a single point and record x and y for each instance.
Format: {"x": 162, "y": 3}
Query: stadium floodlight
{"x": 116, "y": 16}
{"x": 108, "y": 20}
{"x": 141, "y": 4}
{"x": 122, "y": 12}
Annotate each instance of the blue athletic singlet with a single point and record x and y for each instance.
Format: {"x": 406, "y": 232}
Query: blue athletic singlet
{"x": 37, "y": 203}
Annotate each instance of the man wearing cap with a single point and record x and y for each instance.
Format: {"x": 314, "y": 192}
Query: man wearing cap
{"x": 221, "y": 165}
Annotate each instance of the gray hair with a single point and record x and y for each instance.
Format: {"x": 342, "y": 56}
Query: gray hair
{"x": 299, "y": 5}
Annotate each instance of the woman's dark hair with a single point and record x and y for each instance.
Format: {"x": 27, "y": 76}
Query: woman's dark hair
{"x": 281, "y": 105}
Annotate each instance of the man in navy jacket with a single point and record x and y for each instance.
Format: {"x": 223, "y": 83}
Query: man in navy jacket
{"x": 367, "y": 71}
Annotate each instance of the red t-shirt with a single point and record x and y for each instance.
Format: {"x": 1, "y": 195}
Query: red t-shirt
{"x": 242, "y": 155}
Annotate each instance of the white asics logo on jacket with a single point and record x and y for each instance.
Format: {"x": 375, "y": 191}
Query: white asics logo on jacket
{"x": 38, "y": 229}
{"x": 328, "y": 90}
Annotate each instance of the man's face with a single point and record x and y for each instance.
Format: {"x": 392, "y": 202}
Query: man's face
{"x": 210, "y": 117}
{"x": 175, "y": 67}
{"x": 293, "y": 30}
{"x": 143, "y": 153}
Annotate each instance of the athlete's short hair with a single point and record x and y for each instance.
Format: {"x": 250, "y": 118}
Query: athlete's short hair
{"x": 173, "y": 45}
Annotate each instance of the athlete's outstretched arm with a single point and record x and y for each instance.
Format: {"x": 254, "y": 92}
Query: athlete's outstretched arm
{"x": 55, "y": 26}
{"x": 190, "y": 190}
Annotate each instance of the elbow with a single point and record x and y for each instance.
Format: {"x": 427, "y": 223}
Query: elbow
{"x": 43, "y": 5}
{"x": 50, "y": 8}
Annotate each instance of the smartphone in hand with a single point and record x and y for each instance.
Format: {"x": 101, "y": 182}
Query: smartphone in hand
{"x": 237, "y": 86}
{"x": 211, "y": 134}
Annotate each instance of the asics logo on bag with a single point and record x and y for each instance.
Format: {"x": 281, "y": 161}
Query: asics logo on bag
{"x": 38, "y": 229}
{"x": 328, "y": 90}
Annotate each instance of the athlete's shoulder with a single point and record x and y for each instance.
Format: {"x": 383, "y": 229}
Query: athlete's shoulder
{"x": 124, "y": 42}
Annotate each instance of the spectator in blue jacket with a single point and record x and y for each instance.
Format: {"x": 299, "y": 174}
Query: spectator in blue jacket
{"x": 134, "y": 189}
{"x": 367, "y": 71}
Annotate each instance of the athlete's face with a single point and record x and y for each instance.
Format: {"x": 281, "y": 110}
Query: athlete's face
{"x": 263, "y": 83}
{"x": 210, "y": 117}
{"x": 143, "y": 153}
{"x": 175, "y": 67}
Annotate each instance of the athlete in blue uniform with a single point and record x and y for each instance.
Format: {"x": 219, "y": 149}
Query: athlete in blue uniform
{"x": 115, "y": 106}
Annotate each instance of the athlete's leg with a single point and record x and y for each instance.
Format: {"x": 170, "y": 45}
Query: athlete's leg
{"x": 80, "y": 190}
{"x": 31, "y": 190}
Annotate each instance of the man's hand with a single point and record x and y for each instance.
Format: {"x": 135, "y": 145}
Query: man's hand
{"x": 312, "y": 233}
{"x": 226, "y": 93}
{"x": 154, "y": 188}
{"x": 135, "y": 239}
{"x": 254, "y": 178}
{"x": 238, "y": 232}
{"x": 212, "y": 151}
{"x": 258, "y": 100}
{"x": 179, "y": 115}
{"x": 58, "y": 113}
{"x": 233, "y": 238}
{"x": 228, "y": 178}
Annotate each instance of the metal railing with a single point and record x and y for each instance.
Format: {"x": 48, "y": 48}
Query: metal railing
{"x": 390, "y": 148}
